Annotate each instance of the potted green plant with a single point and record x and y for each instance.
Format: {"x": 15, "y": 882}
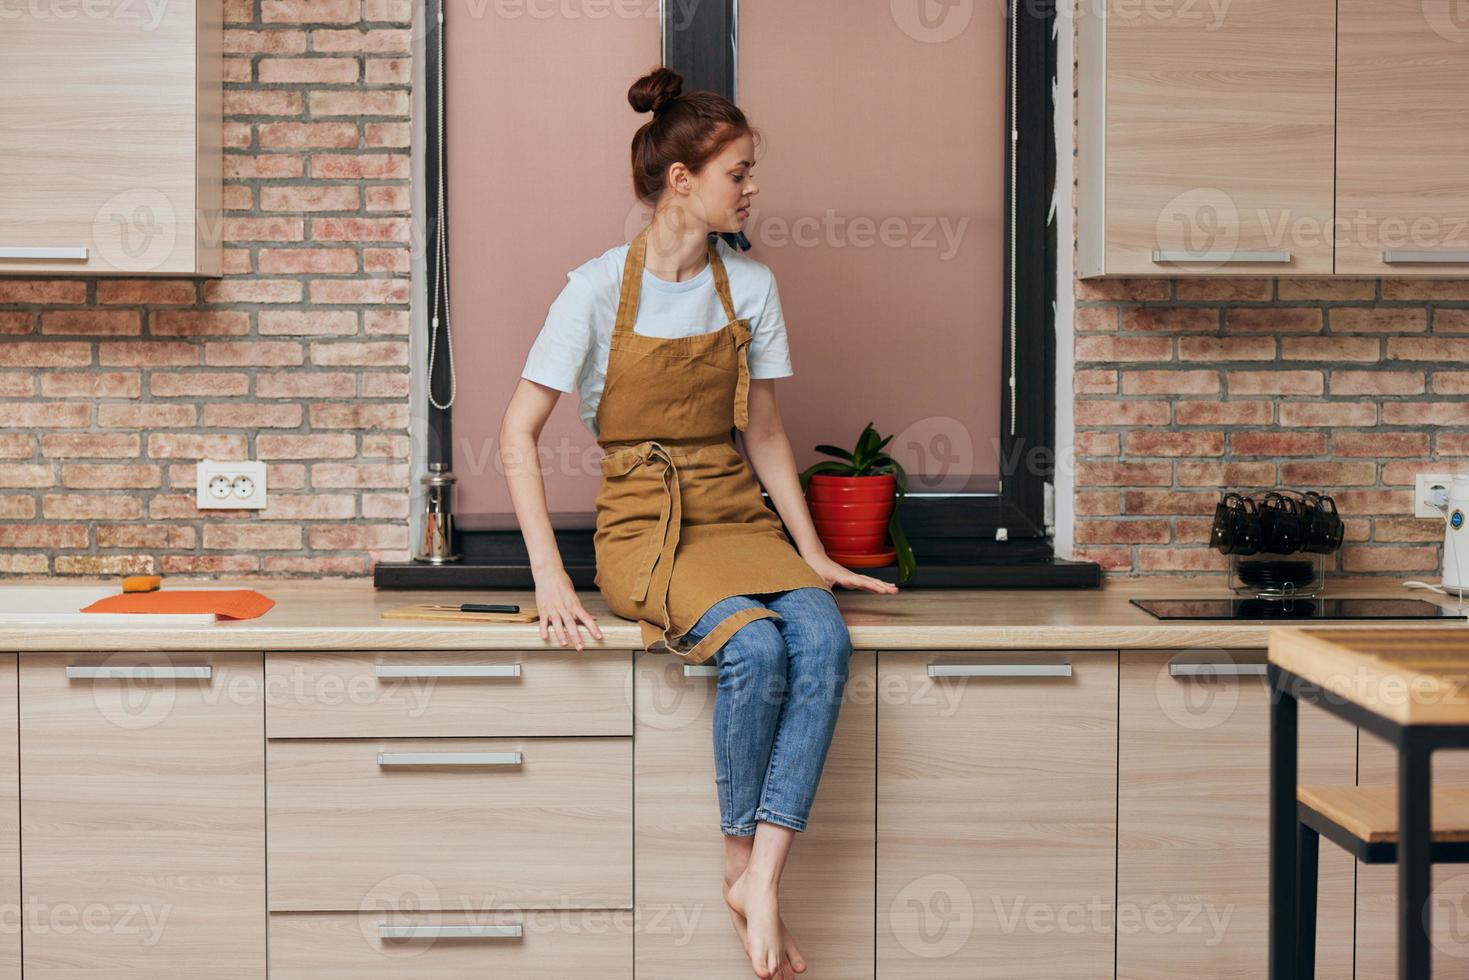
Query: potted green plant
{"x": 853, "y": 500}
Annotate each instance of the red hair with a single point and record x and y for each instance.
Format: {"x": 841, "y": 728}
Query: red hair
{"x": 689, "y": 128}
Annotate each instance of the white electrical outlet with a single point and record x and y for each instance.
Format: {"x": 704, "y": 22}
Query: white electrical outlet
{"x": 231, "y": 485}
{"x": 1423, "y": 491}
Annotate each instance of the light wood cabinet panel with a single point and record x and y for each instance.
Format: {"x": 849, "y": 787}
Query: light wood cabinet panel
{"x": 348, "y": 816}
{"x": 1377, "y": 884}
{"x": 10, "y": 894}
{"x": 1402, "y": 138}
{"x": 1193, "y": 820}
{"x": 112, "y": 151}
{"x": 552, "y": 945}
{"x": 446, "y": 693}
{"x": 1206, "y": 136}
{"x": 684, "y": 927}
{"x": 143, "y": 818}
{"x": 996, "y": 816}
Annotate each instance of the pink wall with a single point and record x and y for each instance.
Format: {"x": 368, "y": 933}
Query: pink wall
{"x": 880, "y": 213}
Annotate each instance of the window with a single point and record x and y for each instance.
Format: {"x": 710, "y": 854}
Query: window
{"x": 885, "y": 212}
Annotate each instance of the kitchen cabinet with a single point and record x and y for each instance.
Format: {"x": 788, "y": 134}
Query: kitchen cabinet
{"x": 143, "y": 816}
{"x": 685, "y": 929}
{"x": 112, "y": 158}
{"x": 1402, "y": 138}
{"x": 996, "y": 815}
{"x": 1193, "y": 819}
{"x": 450, "y": 814}
{"x": 1036, "y": 815}
{"x": 1205, "y": 138}
{"x": 10, "y": 894}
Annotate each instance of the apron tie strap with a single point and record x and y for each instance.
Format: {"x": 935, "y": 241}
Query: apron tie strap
{"x": 742, "y": 386}
{"x": 663, "y": 541}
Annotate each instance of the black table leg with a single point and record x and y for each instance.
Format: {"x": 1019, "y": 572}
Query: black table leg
{"x": 1415, "y": 868}
{"x": 1308, "y": 843}
{"x": 1284, "y": 897}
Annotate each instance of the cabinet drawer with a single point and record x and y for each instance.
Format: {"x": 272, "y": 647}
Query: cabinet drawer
{"x": 564, "y": 945}
{"x": 462, "y": 815}
{"x": 448, "y": 694}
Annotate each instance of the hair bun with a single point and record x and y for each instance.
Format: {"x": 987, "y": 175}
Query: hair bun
{"x": 655, "y": 90}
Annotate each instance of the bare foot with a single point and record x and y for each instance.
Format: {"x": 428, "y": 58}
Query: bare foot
{"x": 766, "y": 939}
{"x": 791, "y": 961}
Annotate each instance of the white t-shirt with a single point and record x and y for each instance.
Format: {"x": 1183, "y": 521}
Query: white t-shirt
{"x": 570, "y": 353}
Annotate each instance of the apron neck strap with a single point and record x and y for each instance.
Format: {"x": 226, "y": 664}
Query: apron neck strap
{"x": 632, "y": 283}
{"x": 721, "y": 280}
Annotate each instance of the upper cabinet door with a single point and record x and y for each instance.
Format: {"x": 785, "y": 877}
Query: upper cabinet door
{"x": 1206, "y": 138}
{"x": 1403, "y": 138}
{"x": 110, "y": 150}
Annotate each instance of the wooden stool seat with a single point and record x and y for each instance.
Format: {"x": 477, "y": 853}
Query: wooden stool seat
{"x": 1370, "y": 813}
{"x": 1404, "y": 686}
{"x": 1363, "y": 821}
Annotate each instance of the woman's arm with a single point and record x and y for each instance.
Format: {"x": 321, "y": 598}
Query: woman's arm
{"x": 520, "y": 433}
{"x": 774, "y": 463}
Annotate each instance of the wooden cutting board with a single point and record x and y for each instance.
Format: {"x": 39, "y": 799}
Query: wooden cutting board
{"x": 425, "y": 611}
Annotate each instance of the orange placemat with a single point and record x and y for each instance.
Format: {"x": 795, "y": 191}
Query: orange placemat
{"x": 225, "y": 603}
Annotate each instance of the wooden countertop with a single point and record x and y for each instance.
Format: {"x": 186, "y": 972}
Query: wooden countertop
{"x": 1411, "y": 675}
{"x": 344, "y": 615}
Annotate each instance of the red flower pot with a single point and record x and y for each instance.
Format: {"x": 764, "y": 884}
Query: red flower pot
{"x": 851, "y": 512}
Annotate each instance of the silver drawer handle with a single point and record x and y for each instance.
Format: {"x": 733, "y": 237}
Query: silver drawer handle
{"x": 449, "y": 670}
{"x": 448, "y": 758}
{"x": 1216, "y": 670}
{"x": 115, "y": 673}
{"x": 1402, "y": 256}
{"x": 999, "y": 670}
{"x": 700, "y": 670}
{"x": 1163, "y": 258}
{"x": 447, "y": 932}
{"x": 10, "y": 252}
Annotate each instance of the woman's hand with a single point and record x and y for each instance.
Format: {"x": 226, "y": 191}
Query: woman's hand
{"x": 559, "y": 608}
{"x": 833, "y": 574}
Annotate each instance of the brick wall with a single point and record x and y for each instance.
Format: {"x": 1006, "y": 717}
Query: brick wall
{"x": 1186, "y": 385}
{"x": 111, "y": 390}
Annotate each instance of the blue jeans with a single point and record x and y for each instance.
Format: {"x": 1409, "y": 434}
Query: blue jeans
{"x": 780, "y": 689}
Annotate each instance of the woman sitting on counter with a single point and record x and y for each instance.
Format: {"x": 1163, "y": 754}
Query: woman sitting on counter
{"x": 684, "y": 542}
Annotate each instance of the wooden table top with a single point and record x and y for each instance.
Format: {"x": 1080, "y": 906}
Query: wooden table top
{"x": 1413, "y": 675}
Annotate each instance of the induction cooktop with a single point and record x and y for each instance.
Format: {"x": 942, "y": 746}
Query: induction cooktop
{"x": 1321, "y": 608}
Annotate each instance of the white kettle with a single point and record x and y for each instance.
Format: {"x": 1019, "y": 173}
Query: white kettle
{"x": 1456, "y": 537}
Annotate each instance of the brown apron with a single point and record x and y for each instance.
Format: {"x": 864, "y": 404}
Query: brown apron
{"x": 680, "y": 520}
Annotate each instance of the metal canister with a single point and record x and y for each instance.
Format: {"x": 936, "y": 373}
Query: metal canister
{"x": 437, "y": 544}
